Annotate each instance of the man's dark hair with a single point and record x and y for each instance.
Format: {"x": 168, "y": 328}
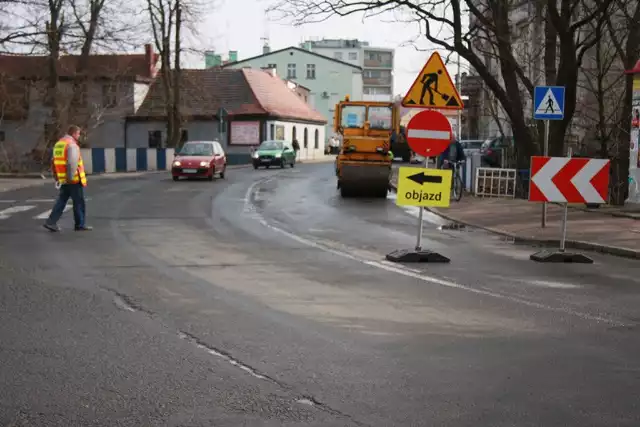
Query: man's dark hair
{"x": 73, "y": 129}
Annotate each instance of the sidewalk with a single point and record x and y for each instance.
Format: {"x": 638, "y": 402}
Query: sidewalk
{"x": 520, "y": 219}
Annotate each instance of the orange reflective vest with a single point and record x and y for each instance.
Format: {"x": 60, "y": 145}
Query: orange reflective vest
{"x": 60, "y": 156}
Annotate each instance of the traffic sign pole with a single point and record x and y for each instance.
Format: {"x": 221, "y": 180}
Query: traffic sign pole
{"x": 563, "y": 239}
{"x": 548, "y": 104}
{"x": 546, "y": 153}
{"x": 420, "y": 215}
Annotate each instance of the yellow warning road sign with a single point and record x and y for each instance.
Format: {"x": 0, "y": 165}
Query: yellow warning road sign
{"x": 433, "y": 88}
{"x": 424, "y": 187}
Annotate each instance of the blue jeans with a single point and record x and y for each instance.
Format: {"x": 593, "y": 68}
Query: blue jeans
{"x": 76, "y": 193}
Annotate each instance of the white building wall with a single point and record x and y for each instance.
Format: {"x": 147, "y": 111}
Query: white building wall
{"x": 311, "y": 151}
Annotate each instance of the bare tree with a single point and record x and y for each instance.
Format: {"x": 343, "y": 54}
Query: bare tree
{"x": 171, "y": 21}
{"x": 489, "y": 19}
{"x": 603, "y": 90}
{"x": 624, "y": 30}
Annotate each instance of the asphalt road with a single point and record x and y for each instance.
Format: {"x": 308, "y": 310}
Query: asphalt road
{"x": 264, "y": 300}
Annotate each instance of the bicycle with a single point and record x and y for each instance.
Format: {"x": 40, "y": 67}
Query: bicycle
{"x": 457, "y": 186}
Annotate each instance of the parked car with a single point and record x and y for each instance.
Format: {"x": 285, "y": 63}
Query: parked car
{"x": 471, "y": 146}
{"x": 199, "y": 159}
{"x": 493, "y": 150}
{"x": 274, "y": 153}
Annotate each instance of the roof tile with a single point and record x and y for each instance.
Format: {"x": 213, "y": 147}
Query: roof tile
{"x": 276, "y": 98}
{"x": 238, "y": 91}
{"x": 130, "y": 65}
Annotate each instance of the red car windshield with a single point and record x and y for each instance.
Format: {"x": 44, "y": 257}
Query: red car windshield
{"x": 197, "y": 149}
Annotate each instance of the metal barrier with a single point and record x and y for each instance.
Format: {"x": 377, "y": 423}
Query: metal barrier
{"x": 495, "y": 182}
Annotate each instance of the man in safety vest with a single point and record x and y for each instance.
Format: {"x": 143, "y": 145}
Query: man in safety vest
{"x": 68, "y": 171}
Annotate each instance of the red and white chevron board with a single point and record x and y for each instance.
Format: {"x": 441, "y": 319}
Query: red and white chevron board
{"x": 569, "y": 180}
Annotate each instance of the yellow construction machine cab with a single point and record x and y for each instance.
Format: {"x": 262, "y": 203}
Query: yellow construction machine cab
{"x": 365, "y": 127}
{"x": 364, "y": 162}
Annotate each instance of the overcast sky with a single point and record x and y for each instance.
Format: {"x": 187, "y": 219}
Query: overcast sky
{"x": 240, "y": 24}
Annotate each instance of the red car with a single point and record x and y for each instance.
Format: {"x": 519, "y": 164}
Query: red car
{"x": 199, "y": 159}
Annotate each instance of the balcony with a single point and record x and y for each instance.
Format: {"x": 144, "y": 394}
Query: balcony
{"x": 373, "y": 63}
{"x": 373, "y": 81}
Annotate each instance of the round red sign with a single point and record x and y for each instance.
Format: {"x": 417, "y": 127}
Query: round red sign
{"x": 429, "y": 133}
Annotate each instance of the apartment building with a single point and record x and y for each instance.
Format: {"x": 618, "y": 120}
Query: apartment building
{"x": 326, "y": 79}
{"x": 376, "y": 63}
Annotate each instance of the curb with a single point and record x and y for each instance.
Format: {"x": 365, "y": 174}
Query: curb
{"x": 29, "y": 175}
{"x": 573, "y": 244}
{"x": 36, "y": 175}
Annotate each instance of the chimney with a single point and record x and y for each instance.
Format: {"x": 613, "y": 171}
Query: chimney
{"x": 266, "y": 49}
{"x": 150, "y": 58}
{"x": 233, "y": 56}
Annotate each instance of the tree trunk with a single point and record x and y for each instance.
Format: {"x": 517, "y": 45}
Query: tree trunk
{"x": 175, "y": 110}
{"x": 54, "y": 37}
{"x": 80, "y": 80}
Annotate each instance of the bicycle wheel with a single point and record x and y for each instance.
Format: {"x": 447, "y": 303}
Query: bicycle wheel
{"x": 457, "y": 187}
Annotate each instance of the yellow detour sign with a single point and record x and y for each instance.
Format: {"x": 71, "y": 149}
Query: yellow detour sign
{"x": 424, "y": 187}
{"x": 433, "y": 88}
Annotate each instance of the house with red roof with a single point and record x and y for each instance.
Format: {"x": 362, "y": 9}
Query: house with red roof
{"x": 238, "y": 107}
{"x": 112, "y": 87}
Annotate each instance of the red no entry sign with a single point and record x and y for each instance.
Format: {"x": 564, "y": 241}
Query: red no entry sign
{"x": 429, "y": 133}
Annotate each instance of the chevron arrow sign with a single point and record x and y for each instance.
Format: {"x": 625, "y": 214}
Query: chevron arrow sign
{"x": 569, "y": 180}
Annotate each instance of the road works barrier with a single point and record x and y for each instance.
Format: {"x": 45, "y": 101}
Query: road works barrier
{"x": 110, "y": 160}
{"x": 567, "y": 180}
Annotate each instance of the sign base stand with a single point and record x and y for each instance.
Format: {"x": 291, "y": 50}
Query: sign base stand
{"x": 560, "y": 257}
{"x": 416, "y": 255}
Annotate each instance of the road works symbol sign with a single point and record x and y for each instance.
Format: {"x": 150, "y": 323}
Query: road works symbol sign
{"x": 423, "y": 187}
{"x": 433, "y": 88}
{"x": 429, "y": 133}
{"x": 569, "y": 180}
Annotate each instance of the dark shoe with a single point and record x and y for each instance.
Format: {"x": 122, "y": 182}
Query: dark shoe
{"x": 52, "y": 228}
{"x": 84, "y": 228}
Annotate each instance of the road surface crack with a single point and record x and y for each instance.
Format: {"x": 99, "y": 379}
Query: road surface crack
{"x": 302, "y": 399}
{"x": 127, "y": 303}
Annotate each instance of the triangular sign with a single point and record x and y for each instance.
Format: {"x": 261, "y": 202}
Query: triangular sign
{"x": 433, "y": 88}
{"x": 549, "y": 105}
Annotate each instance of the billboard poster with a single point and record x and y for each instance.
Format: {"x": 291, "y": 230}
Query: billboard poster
{"x": 245, "y": 133}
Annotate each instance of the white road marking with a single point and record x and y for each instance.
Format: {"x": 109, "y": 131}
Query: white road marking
{"x": 399, "y": 269}
{"x": 45, "y": 214}
{"x": 6, "y": 213}
{"x": 8, "y": 201}
{"x": 431, "y": 134}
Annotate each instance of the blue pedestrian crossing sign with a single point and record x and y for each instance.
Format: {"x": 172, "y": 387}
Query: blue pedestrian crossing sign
{"x": 548, "y": 102}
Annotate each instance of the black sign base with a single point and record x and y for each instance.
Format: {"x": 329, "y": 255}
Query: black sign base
{"x": 560, "y": 257}
{"x": 412, "y": 255}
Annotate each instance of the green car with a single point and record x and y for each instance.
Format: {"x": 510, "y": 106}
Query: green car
{"x": 274, "y": 153}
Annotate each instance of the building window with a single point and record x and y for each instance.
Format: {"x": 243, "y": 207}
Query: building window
{"x": 337, "y": 55}
{"x": 274, "y": 66}
{"x": 316, "y": 139}
{"x": 291, "y": 71}
{"x": 353, "y": 56}
{"x": 293, "y": 134}
{"x": 2, "y": 136}
{"x": 311, "y": 71}
{"x": 155, "y": 139}
{"x": 109, "y": 96}
{"x": 81, "y": 99}
{"x": 272, "y": 131}
{"x": 184, "y": 135}
{"x": 306, "y": 138}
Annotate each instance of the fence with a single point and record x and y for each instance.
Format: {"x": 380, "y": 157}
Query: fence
{"x": 109, "y": 160}
{"x": 495, "y": 182}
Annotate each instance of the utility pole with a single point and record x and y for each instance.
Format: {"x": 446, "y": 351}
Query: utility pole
{"x": 460, "y": 92}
